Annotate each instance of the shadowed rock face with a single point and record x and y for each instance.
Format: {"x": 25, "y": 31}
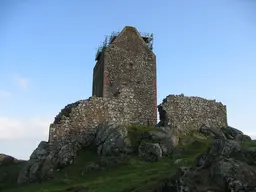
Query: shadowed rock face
{"x": 7, "y": 160}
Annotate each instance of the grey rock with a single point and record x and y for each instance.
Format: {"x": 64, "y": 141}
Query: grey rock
{"x": 31, "y": 171}
{"x": 227, "y": 170}
{"x": 150, "y": 151}
{"x": 41, "y": 152}
{"x": 231, "y": 132}
{"x": 212, "y": 132}
{"x": 218, "y": 169}
{"x": 234, "y": 134}
{"x": 246, "y": 138}
{"x": 112, "y": 140}
{"x": 167, "y": 138}
{"x": 92, "y": 166}
{"x": 7, "y": 160}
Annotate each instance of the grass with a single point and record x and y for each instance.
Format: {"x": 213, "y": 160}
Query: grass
{"x": 249, "y": 152}
{"x": 248, "y": 144}
{"x": 132, "y": 174}
{"x": 190, "y": 147}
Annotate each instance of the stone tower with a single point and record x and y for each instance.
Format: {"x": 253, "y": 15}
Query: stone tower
{"x": 127, "y": 61}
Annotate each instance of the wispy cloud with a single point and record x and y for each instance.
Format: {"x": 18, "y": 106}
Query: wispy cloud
{"x": 4, "y": 94}
{"x": 36, "y": 127}
{"x": 22, "y": 82}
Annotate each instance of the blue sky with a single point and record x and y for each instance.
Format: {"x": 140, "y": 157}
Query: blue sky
{"x": 47, "y": 49}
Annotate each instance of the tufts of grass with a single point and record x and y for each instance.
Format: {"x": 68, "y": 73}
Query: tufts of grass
{"x": 248, "y": 144}
{"x": 249, "y": 152}
{"x": 190, "y": 147}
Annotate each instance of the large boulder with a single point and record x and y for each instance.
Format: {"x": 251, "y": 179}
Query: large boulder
{"x": 166, "y": 137}
{"x": 234, "y": 134}
{"x": 9, "y": 170}
{"x": 32, "y": 170}
{"x": 7, "y": 160}
{"x": 112, "y": 140}
{"x": 228, "y": 132}
{"x": 150, "y": 151}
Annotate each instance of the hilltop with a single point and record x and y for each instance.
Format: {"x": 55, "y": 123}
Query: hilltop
{"x": 201, "y": 161}
{"x": 114, "y": 157}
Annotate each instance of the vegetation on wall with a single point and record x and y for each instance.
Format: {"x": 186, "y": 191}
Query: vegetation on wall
{"x": 148, "y": 38}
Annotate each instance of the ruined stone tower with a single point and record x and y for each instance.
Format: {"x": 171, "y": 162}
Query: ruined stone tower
{"x": 126, "y": 61}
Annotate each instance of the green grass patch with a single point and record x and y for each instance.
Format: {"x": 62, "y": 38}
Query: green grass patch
{"x": 249, "y": 152}
{"x": 248, "y": 144}
{"x": 190, "y": 147}
{"x": 133, "y": 173}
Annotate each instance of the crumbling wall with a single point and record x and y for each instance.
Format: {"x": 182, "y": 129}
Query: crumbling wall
{"x": 98, "y": 78}
{"x": 83, "y": 116}
{"x": 190, "y": 113}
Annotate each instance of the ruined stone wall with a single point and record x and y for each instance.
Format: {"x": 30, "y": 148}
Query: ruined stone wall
{"x": 98, "y": 73}
{"x": 83, "y": 116}
{"x": 129, "y": 63}
{"x": 190, "y": 113}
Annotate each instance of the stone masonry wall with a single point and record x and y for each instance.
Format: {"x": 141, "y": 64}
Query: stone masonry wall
{"x": 190, "y": 113}
{"x": 83, "y": 116}
{"x": 129, "y": 63}
{"x": 98, "y": 77}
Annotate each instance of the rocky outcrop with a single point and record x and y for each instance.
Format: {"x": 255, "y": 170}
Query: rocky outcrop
{"x": 166, "y": 137}
{"x": 108, "y": 139}
{"x": 150, "y": 151}
{"x": 190, "y": 113}
{"x": 9, "y": 170}
{"x": 7, "y": 160}
{"x": 227, "y": 165}
{"x": 112, "y": 140}
{"x": 228, "y": 133}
